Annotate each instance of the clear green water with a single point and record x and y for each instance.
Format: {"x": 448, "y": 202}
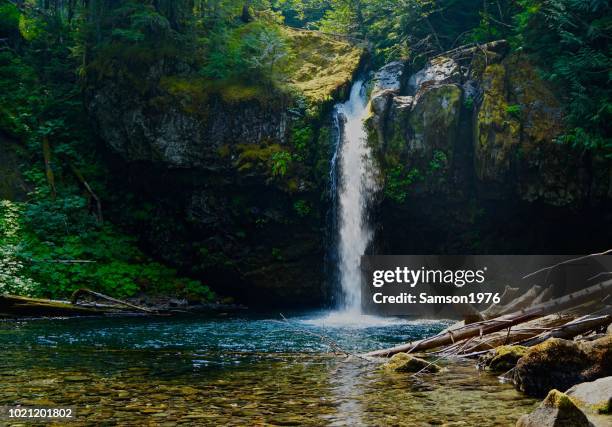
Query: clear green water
{"x": 246, "y": 370}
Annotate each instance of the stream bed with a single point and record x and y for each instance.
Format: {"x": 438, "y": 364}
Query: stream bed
{"x": 240, "y": 370}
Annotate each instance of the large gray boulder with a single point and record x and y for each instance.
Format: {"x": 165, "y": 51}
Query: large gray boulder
{"x": 595, "y": 400}
{"x": 557, "y": 410}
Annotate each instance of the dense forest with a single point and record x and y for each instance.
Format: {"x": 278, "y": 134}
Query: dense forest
{"x": 65, "y": 220}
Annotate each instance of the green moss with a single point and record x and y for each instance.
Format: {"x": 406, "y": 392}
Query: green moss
{"x": 194, "y": 93}
{"x": 557, "y": 399}
{"x": 505, "y": 357}
{"x": 605, "y": 408}
{"x": 405, "y": 363}
{"x": 514, "y": 110}
{"x": 324, "y": 64}
{"x": 497, "y": 131}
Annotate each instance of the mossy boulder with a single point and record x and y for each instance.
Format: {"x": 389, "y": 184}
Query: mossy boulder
{"x": 405, "y": 363}
{"x": 594, "y": 396}
{"x": 557, "y": 410}
{"x": 434, "y": 118}
{"x": 503, "y": 358}
{"x": 560, "y": 364}
{"x": 414, "y": 135}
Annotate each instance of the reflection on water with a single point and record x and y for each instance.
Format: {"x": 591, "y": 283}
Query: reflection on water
{"x": 182, "y": 371}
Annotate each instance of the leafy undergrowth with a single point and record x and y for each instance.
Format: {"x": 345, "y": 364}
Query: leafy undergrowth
{"x": 51, "y": 248}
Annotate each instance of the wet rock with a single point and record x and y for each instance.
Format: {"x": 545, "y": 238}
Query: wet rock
{"x": 503, "y": 358}
{"x": 560, "y": 364}
{"x": 594, "y": 396}
{"x": 403, "y": 363}
{"x": 434, "y": 119}
{"x": 388, "y": 78}
{"x": 557, "y": 410}
{"x": 441, "y": 70}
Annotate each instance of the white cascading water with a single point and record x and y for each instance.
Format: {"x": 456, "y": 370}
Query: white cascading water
{"x": 356, "y": 184}
{"x": 353, "y": 183}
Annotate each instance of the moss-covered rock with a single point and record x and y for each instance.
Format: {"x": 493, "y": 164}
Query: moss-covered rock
{"x": 557, "y": 410}
{"x": 503, "y": 358}
{"x": 405, "y": 363}
{"x": 497, "y": 132}
{"x": 558, "y": 363}
{"x": 323, "y": 64}
{"x": 594, "y": 396}
{"x": 515, "y": 139}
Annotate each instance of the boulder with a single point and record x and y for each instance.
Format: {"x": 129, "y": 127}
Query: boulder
{"x": 594, "y": 396}
{"x": 388, "y": 78}
{"x": 405, "y": 363}
{"x": 441, "y": 70}
{"x": 560, "y": 364}
{"x": 503, "y": 358}
{"x": 557, "y": 410}
{"x": 386, "y": 84}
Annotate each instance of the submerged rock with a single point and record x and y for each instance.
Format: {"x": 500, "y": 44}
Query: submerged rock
{"x": 557, "y": 410}
{"x": 503, "y": 358}
{"x": 558, "y": 363}
{"x": 403, "y": 362}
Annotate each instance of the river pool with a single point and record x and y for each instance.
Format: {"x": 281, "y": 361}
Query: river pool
{"x": 243, "y": 370}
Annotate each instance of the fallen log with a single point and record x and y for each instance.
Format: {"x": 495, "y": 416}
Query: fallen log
{"x": 521, "y": 302}
{"x": 574, "y": 328}
{"x": 84, "y": 291}
{"x": 507, "y": 297}
{"x": 566, "y": 331}
{"x": 17, "y": 306}
{"x": 499, "y": 323}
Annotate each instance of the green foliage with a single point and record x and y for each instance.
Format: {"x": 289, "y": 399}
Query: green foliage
{"x": 53, "y": 261}
{"x": 514, "y": 110}
{"x": 13, "y": 278}
{"x": 439, "y": 161}
{"x": 302, "y": 136}
{"x": 468, "y": 103}
{"x": 302, "y": 208}
{"x": 570, "y": 40}
{"x": 45, "y": 241}
{"x": 277, "y": 254}
{"x": 399, "y": 182}
{"x": 280, "y": 163}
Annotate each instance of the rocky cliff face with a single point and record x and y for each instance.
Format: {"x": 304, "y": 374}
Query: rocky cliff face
{"x": 230, "y": 181}
{"x": 230, "y": 178}
{"x": 468, "y": 144}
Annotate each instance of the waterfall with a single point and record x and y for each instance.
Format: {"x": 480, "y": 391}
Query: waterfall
{"x": 353, "y": 181}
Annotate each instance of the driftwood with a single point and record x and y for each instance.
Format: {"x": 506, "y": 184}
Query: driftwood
{"x": 17, "y": 306}
{"x": 518, "y": 303}
{"x": 500, "y": 323}
{"x": 507, "y": 297}
{"x": 574, "y": 328}
{"x": 84, "y": 291}
{"x": 566, "y": 331}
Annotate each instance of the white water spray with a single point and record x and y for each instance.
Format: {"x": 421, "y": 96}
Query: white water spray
{"x": 356, "y": 184}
